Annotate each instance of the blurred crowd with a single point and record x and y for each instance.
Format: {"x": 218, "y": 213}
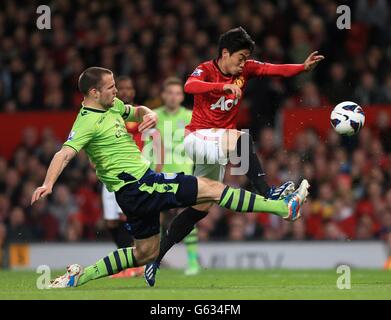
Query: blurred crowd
{"x": 151, "y": 40}
{"x": 73, "y": 212}
{"x": 350, "y": 195}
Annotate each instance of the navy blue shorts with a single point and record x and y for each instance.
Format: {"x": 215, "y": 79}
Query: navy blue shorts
{"x": 142, "y": 201}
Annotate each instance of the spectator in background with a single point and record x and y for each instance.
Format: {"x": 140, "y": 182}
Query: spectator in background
{"x": 300, "y": 49}
{"x": 237, "y": 228}
{"x": 44, "y": 225}
{"x": 385, "y": 91}
{"x": 338, "y": 88}
{"x": 63, "y": 207}
{"x": 5, "y": 207}
{"x": 309, "y": 96}
{"x": 18, "y": 230}
{"x": 3, "y": 239}
{"x": 374, "y": 13}
{"x": 3, "y": 171}
{"x": 298, "y": 231}
{"x": 367, "y": 92}
{"x": 382, "y": 130}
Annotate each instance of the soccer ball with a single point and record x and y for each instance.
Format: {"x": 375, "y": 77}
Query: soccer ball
{"x": 347, "y": 118}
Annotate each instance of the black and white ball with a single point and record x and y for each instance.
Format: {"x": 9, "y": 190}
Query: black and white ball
{"x": 347, "y": 118}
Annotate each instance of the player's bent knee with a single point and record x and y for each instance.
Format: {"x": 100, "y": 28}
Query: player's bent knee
{"x": 153, "y": 256}
{"x": 209, "y": 190}
{"x": 147, "y": 250}
{"x": 144, "y": 257}
{"x": 203, "y": 206}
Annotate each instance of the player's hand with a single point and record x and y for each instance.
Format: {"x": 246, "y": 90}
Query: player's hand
{"x": 312, "y": 60}
{"x": 40, "y": 192}
{"x": 234, "y": 89}
{"x": 149, "y": 121}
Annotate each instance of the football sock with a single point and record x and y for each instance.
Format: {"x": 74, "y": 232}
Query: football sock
{"x": 121, "y": 236}
{"x": 191, "y": 243}
{"x": 255, "y": 172}
{"x": 115, "y": 262}
{"x": 241, "y": 200}
{"x": 180, "y": 227}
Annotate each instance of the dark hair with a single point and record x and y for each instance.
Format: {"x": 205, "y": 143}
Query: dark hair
{"x": 172, "y": 81}
{"x": 91, "y": 78}
{"x": 234, "y": 40}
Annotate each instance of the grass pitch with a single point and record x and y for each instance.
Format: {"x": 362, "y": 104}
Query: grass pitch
{"x": 209, "y": 284}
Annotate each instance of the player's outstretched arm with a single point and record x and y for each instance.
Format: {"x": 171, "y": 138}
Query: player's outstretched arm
{"x": 195, "y": 86}
{"x": 57, "y": 165}
{"x": 284, "y": 70}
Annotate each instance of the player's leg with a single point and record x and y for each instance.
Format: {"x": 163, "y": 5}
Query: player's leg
{"x": 191, "y": 244}
{"x": 213, "y": 146}
{"x": 185, "y": 222}
{"x": 240, "y": 147}
{"x": 111, "y": 215}
{"x": 240, "y": 200}
{"x": 190, "y": 241}
{"x": 204, "y": 147}
{"x": 144, "y": 224}
{"x": 146, "y": 250}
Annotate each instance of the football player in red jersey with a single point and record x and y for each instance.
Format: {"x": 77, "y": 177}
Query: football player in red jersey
{"x": 212, "y": 137}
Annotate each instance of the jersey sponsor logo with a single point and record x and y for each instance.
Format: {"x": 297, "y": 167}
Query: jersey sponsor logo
{"x": 224, "y": 104}
{"x": 120, "y": 129}
{"x": 239, "y": 81}
{"x": 71, "y": 135}
{"x": 197, "y": 72}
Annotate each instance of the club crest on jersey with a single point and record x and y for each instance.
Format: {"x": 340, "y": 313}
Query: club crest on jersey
{"x": 197, "y": 72}
{"x": 71, "y": 135}
{"x": 239, "y": 81}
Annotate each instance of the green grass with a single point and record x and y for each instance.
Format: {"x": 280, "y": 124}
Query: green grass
{"x": 210, "y": 284}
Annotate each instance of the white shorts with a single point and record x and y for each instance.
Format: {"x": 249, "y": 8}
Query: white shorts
{"x": 111, "y": 209}
{"x": 205, "y": 148}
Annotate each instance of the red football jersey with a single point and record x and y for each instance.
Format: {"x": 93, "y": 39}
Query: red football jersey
{"x": 214, "y": 108}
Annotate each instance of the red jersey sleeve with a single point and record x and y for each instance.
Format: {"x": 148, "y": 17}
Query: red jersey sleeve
{"x": 198, "y": 83}
{"x": 254, "y": 68}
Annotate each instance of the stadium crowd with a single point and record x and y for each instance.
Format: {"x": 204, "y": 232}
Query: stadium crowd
{"x": 350, "y": 191}
{"x": 150, "y": 40}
